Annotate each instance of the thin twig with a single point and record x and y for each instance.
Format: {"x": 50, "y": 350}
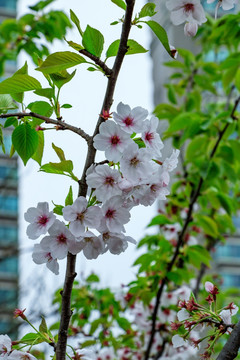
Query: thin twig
{"x": 107, "y": 71}
{"x": 181, "y": 235}
{"x": 61, "y": 125}
{"x": 108, "y": 99}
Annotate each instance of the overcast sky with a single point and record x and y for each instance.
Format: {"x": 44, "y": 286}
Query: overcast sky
{"x": 85, "y": 92}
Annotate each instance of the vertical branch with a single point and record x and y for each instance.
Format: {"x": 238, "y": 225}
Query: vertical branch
{"x": 71, "y": 259}
{"x": 230, "y": 349}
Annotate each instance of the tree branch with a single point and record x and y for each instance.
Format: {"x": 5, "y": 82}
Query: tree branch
{"x": 108, "y": 99}
{"x": 182, "y": 233}
{"x": 61, "y": 125}
{"x": 107, "y": 71}
{"x": 230, "y": 349}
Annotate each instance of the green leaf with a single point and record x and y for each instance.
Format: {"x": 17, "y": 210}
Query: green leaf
{"x": 133, "y": 48}
{"x": 31, "y": 338}
{"x": 18, "y": 84}
{"x": 37, "y": 156}
{"x": 41, "y": 108}
{"x": 60, "y": 61}
{"x": 7, "y": 103}
{"x": 11, "y": 121}
{"x": 92, "y": 278}
{"x": 25, "y": 141}
{"x": 120, "y": 3}
{"x": 160, "y": 33}
{"x": 40, "y": 5}
{"x": 58, "y": 209}
{"x": 198, "y": 255}
{"x": 208, "y": 225}
{"x": 69, "y": 198}
{"x": 66, "y": 106}
{"x": 175, "y": 277}
{"x": 225, "y": 202}
{"x": 74, "y": 45}
{"x": 237, "y": 79}
{"x": 62, "y": 78}
{"x": 93, "y": 41}
{"x": 147, "y": 10}
{"x": 43, "y": 326}
{"x": 160, "y": 219}
{"x": 47, "y": 92}
{"x": 23, "y": 70}
{"x": 61, "y": 168}
{"x": 59, "y": 152}
{"x": 123, "y": 323}
{"x": 1, "y": 139}
{"x": 76, "y": 21}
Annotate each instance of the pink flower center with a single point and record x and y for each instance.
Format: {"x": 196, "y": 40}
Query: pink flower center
{"x": 62, "y": 239}
{"x": 48, "y": 256}
{"x": 134, "y": 161}
{"x": 80, "y": 216}
{"x": 109, "y": 180}
{"x": 43, "y": 219}
{"x": 188, "y": 7}
{"x": 128, "y": 121}
{"x": 149, "y": 136}
{"x": 110, "y": 213}
{"x": 115, "y": 140}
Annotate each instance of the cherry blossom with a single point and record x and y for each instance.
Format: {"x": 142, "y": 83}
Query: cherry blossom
{"x": 81, "y": 216}
{"x": 105, "y": 181}
{"x": 225, "y": 4}
{"x": 130, "y": 120}
{"x": 182, "y": 315}
{"x": 177, "y": 341}
{"x": 227, "y": 314}
{"x": 114, "y": 214}
{"x": 91, "y": 245}
{"x": 19, "y": 355}
{"x": 111, "y": 139}
{"x": 186, "y": 10}
{"x": 190, "y": 28}
{"x": 116, "y": 243}
{"x": 151, "y": 138}
{"x": 5, "y": 345}
{"x": 42, "y": 254}
{"x": 40, "y": 219}
{"x": 59, "y": 240}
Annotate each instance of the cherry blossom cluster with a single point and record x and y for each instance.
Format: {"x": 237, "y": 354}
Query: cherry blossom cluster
{"x": 194, "y": 318}
{"x": 191, "y": 12}
{"x": 134, "y": 175}
{"x": 7, "y": 353}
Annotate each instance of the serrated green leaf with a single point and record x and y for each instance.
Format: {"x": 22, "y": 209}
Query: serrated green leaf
{"x": 62, "y": 78}
{"x": 76, "y": 21}
{"x": 59, "y": 152}
{"x": 59, "y": 61}
{"x": 11, "y": 121}
{"x": 147, "y": 10}
{"x": 160, "y": 33}
{"x": 41, "y": 108}
{"x": 133, "y": 48}
{"x": 74, "y": 45}
{"x": 18, "y": 84}
{"x": 61, "y": 168}
{"x": 69, "y": 198}
{"x": 47, "y": 92}
{"x": 237, "y": 79}
{"x": 120, "y": 3}
{"x": 23, "y": 70}
{"x": 25, "y": 141}
{"x": 92, "y": 278}
{"x": 123, "y": 323}
{"x": 93, "y": 41}
{"x": 7, "y": 103}
{"x": 37, "y": 156}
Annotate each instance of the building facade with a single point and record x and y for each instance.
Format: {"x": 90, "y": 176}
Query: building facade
{"x": 8, "y": 214}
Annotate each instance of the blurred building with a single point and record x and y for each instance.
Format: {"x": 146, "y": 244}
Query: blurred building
{"x": 8, "y": 214}
{"x": 226, "y": 256}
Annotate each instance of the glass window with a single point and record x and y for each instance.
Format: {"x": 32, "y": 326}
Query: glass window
{"x": 230, "y": 250}
{"x": 9, "y": 265}
{"x": 8, "y": 235}
{"x": 230, "y": 280}
{"x": 8, "y": 298}
{"x": 8, "y": 4}
{"x": 8, "y": 204}
{"x": 8, "y": 173}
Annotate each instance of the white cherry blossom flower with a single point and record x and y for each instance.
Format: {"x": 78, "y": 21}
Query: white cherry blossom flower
{"x": 182, "y": 315}
{"x": 130, "y": 120}
{"x": 114, "y": 214}
{"x": 151, "y": 138}
{"x": 5, "y": 345}
{"x": 135, "y": 163}
{"x": 111, "y": 139}
{"x": 40, "y": 219}
{"x": 105, "y": 181}
{"x": 186, "y": 10}
{"x": 177, "y": 341}
{"x": 20, "y": 355}
{"x": 91, "y": 245}
{"x": 225, "y": 4}
{"x": 116, "y": 243}
{"x": 170, "y": 163}
{"x": 59, "y": 240}
{"x": 42, "y": 254}
{"x": 81, "y": 216}
{"x": 190, "y": 28}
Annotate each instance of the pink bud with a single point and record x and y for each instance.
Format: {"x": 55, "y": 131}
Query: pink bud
{"x": 190, "y": 29}
{"x": 209, "y": 287}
